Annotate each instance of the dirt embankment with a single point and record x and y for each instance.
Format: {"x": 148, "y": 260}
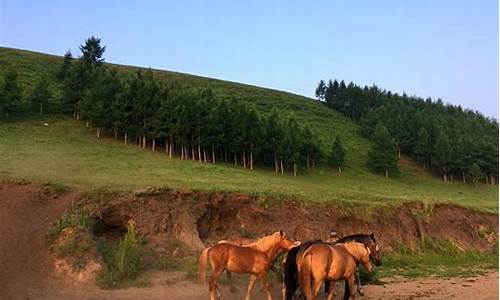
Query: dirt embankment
{"x": 201, "y": 218}
{"x": 195, "y": 219}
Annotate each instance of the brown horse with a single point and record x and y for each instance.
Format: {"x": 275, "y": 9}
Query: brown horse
{"x": 255, "y": 260}
{"x": 323, "y": 261}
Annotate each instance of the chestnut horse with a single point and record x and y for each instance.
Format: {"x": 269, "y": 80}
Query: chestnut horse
{"x": 325, "y": 262}
{"x": 255, "y": 260}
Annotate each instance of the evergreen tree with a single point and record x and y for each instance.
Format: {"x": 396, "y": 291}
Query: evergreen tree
{"x": 65, "y": 67}
{"x": 92, "y": 51}
{"x": 474, "y": 173}
{"x": 422, "y": 147}
{"x": 292, "y": 144}
{"x": 10, "y": 94}
{"x": 41, "y": 95}
{"x": 320, "y": 90}
{"x": 441, "y": 154}
{"x": 383, "y": 156}
{"x": 337, "y": 156}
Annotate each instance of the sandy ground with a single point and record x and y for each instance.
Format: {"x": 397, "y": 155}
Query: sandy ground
{"x": 26, "y": 270}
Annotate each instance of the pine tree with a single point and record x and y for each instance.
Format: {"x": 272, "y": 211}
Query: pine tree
{"x": 422, "y": 147}
{"x": 92, "y": 51}
{"x": 65, "y": 67}
{"x": 320, "y": 90}
{"x": 41, "y": 95}
{"x": 10, "y": 94}
{"x": 474, "y": 173}
{"x": 337, "y": 156}
{"x": 383, "y": 157}
{"x": 441, "y": 154}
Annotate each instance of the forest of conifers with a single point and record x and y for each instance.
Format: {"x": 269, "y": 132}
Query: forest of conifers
{"x": 453, "y": 142}
{"x": 193, "y": 124}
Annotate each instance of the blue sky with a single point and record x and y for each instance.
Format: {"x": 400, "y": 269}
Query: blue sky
{"x": 446, "y": 49}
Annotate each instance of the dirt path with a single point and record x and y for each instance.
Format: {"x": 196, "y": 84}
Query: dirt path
{"x": 26, "y": 267}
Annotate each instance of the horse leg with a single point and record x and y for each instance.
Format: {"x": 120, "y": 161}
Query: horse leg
{"x": 232, "y": 287}
{"x": 251, "y": 283}
{"x": 266, "y": 285}
{"x": 331, "y": 291}
{"x": 350, "y": 283}
{"x": 213, "y": 287}
{"x": 317, "y": 286}
{"x": 358, "y": 282}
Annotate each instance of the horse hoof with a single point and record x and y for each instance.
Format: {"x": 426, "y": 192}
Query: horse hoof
{"x": 361, "y": 292}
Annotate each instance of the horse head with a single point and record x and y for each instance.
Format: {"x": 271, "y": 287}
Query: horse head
{"x": 375, "y": 253}
{"x": 286, "y": 243}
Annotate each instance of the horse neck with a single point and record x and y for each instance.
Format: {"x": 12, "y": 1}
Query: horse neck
{"x": 357, "y": 250}
{"x": 264, "y": 244}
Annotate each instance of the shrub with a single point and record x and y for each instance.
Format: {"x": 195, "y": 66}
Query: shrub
{"x": 122, "y": 261}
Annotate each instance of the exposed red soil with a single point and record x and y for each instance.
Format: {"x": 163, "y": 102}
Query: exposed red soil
{"x": 198, "y": 218}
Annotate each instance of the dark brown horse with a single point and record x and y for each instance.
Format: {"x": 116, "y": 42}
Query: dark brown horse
{"x": 290, "y": 271}
{"x": 255, "y": 261}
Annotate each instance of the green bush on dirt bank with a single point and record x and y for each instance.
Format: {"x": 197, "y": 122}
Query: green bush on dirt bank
{"x": 122, "y": 261}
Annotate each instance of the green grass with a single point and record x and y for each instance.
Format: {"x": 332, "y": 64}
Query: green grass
{"x": 440, "y": 259}
{"x": 66, "y": 153}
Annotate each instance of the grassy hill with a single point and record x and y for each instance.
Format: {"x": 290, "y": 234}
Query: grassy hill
{"x": 65, "y": 152}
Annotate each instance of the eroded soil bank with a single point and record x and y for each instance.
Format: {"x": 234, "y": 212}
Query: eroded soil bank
{"x": 180, "y": 222}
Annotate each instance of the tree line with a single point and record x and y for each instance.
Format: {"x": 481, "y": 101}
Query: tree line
{"x": 454, "y": 142}
{"x": 191, "y": 123}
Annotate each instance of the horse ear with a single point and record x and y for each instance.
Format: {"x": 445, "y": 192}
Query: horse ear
{"x": 372, "y": 236}
{"x": 281, "y": 232}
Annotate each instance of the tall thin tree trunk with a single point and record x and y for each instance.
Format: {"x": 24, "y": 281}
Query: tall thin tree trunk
{"x": 386, "y": 174}
{"x": 275, "y": 162}
{"x": 193, "y": 157}
{"x": 153, "y": 145}
{"x": 199, "y": 153}
{"x": 451, "y": 177}
{"x": 87, "y": 124}
{"x": 166, "y": 147}
{"x": 251, "y": 160}
{"x": 182, "y": 153}
{"x": 125, "y": 138}
{"x": 294, "y": 169}
{"x": 244, "y": 159}
{"x": 144, "y": 142}
{"x": 235, "y": 160}
{"x": 399, "y": 151}
{"x": 204, "y": 155}
{"x": 98, "y": 133}
{"x": 308, "y": 162}
{"x": 281, "y": 164}
{"x": 463, "y": 177}
{"x": 445, "y": 178}
{"x": 41, "y": 109}
{"x": 213, "y": 154}
{"x": 116, "y": 133}
{"x": 492, "y": 180}
{"x": 225, "y": 154}
{"x": 486, "y": 179}
{"x": 170, "y": 150}
{"x": 340, "y": 169}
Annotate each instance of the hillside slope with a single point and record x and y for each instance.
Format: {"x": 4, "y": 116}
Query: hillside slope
{"x": 65, "y": 152}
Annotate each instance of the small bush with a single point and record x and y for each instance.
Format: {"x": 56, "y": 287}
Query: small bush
{"x": 122, "y": 261}
{"x": 67, "y": 220}
{"x": 368, "y": 278}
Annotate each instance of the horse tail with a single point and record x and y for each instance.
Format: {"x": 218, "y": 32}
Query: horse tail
{"x": 202, "y": 265}
{"x": 290, "y": 274}
{"x": 305, "y": 274}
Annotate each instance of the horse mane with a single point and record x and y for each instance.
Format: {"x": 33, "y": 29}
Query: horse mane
{"x": 264, "y": 243}
{"x": 360, "y": 237}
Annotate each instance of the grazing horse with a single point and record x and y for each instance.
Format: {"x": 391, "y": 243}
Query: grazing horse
{"x": 290, "y": 271}
{"x": 325, "y": 262}
{"x": 237, "y": 259}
